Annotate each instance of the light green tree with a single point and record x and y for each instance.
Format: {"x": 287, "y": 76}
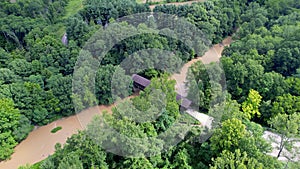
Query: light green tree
{"x": 235, "y": 160}
{"x": 251, "y": 105}
{"x": 228, "y": 136}
{"x": 288, "y": 127}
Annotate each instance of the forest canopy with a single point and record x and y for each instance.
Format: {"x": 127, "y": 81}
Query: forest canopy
{"x": 261, "y": 68}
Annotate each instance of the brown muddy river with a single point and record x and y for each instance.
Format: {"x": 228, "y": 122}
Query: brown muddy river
{"x": 40, "y": 142}
{"x": 212, "y": 55}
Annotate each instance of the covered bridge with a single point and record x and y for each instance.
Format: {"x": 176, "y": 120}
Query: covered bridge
{"x": 141, "y": 83}
{"x": 184, "y": 102}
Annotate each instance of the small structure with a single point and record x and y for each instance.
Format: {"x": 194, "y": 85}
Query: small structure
{"x": 140, "y": 82}
{"x": 184, "y": 102}
{"x": 64, "y": 39}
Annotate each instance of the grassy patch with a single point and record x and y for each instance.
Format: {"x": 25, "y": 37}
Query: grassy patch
{"x": 56, "y": 129}
{"x": 60, "y": 32}
{"x": 73, "y": 7}
{"x": 140, "y": 1}
{"x": 37, "y": 165}
{"x": 56, "y": 30}
{"x": 34, "y": 166}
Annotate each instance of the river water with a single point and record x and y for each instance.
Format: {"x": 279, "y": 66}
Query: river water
{"x": 40, "y": 142}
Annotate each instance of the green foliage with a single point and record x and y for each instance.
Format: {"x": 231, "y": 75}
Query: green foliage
{"x": 23, "y": 128}
{"x": 227, "y": 110}
{"x": 70, "y": 161}
{"x": 288, "y": 127}
{"x": 73, "y": 7}
{"x": 79, "y": 151}
{"x": 105, "y": 10}
{"x": 27, "y": 166}
{"x": 285, "y": 104}
{"x": 56, "y": 129}
{"x": 236, "y": 160}
{"x": 133, "y": 163}
{"x": 251, "y": 105}
{"x": 5, "y": 58}
{"x": 21, "y": 17}
{"x": 293, "y": 86}
{"x": 9, "y": 117}
{"x": 228, "y": 137}
{"x": 215, "y": 25}
{"x": 36, "y": 72}
{"x": 241, "y": 75}
{"x": 182, "y": 160}
{"x": 203, "y": 82}
{"x": 39, "y": 103}
{"x": 103, "y": 84}
{"x": 77, "y": 30}
{"x": 121, "y": 84}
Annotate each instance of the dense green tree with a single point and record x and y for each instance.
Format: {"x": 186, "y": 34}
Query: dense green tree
{"x": 272, "y": 85}
{"x": 121, "y": 84}
{"x": 23, "y": 128}
{"x": 77, "y": 30}
{"x": 54, "y": 56}
{"x": 14, "y": 28}
{"x": 233, "y": 135}
{"x": 235, "y": 160}
{"x": 5, "y": 58}
{"x": 204, "y": 84}
{"x": 133, "y": 163}
{"x": 226, "y": 110}
{"x": 9, "y": 117}
{"x": 83, "y": 86}
{"x": 61, "y": 86}
{"x": 70, "y": 161}
{"x": 102, "y": 11}
{"x": 7, "y": 76}
{"x": 182, "y": 160}
{"x": 103, "y": 84}
{"x": 21, "y": 67}
{"x": 35, "y": 103}
{"x": 241, "y": 76}
{"x": 286, "y": 58}
{"x": 228, "y": 137}
{"x": 286, "y": 104}
{"x": 251, "y": 105}
{"x": 293, "y": 86}
{"x": 84, "y": 152}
